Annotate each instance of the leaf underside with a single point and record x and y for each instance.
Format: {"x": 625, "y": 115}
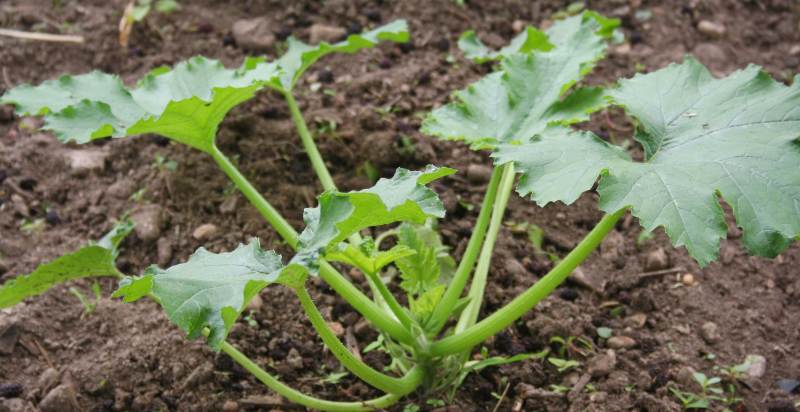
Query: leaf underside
{"x": 186, "y": 103}
{"x": 90, "y": 261}
{"x": 705, "y": 139}
{"x": 527, "y": 94}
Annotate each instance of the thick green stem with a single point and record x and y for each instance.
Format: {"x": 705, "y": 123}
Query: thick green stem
{"x": 272, "y": 216}
{"x": 456, "y": 287}
{"x": 493, "y": 324}
{"x": 308, "y": 143}
{"x": 351, "y": 362}
{"x": 411, "y": 380}
{"x": 470, "y": 314}
{"x": 372, "y": 312}
{"x": 390, "y": 300}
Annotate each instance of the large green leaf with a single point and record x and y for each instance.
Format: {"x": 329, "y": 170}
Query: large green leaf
{"x": 186, "y": 103}
{"x": 705, "y": 138}
{"x": 403, "y": 198}
{"x": 211, "y": 289}
{"x": 527, "y": 94}
{"x": 96, "y": 259}
{"x": 300, "y": 56}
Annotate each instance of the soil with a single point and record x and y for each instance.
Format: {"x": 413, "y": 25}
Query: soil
{"x": 129, "y": 357}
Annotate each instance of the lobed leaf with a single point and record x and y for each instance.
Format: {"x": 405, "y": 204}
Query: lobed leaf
{"x": 526, "y": 96}
{"x": 704, "y": 138}
{"x": 212, "y": 289}
{"x": 94, "y": 260}
{"x": 403, "y": 198}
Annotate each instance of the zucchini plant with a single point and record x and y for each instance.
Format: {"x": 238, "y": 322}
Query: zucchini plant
{"x": 705, "y": 140}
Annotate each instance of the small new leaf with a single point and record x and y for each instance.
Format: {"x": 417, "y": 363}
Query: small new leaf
{"x": 403, "y": 198}
{"x": 704, "y": 138}
{"x": 212, "y": 289}
{"x": 90, "y": 261}
{"x": 526, "y": 96}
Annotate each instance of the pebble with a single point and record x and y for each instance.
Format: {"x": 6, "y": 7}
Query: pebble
{"x": 711, "y": 55}
{"x": 48, "y": 380}
{"x": 9, "y": 335}
{"x": 10, "y": 390}
{"x": 229, "y": 205}
{"x": 294, "y": 359}
{"x": 148, "y": 221}
{"x": 757, "y": 366}
{"x": 230, "y": 406}
{"x": 581, "y": 278}
{"x": 164, "y": 248}
{"x": 20, "y": 206}
{"x": 711, "y": 29}
{"x": 61, "y": 399}
{"x": 322, "y": 32}
{"x": 514, "y": 268}
{"x": 795, "y": 50}
{"x": 620, "y": 342}
{"x": 205, "y": 231}
{"x": 656, "y": 260}
{"x": 86, "y": 160}
{"x": 685, "y": 378}
{"x": 710, "y": 332}
{"x": 518, "y": 26}
{"x": 337, "y": 328}
{"x": 601, "y": 365}
{"x": 479, "y": 174}
{"x": 622, "y": 50}
{"x": 121, "y": 189}
{"x": 688, "y": 279}
{"x": 253, "y": 34}
{"x": 637, "y": 320}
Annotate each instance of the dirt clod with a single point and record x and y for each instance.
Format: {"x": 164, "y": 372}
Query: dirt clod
{"x": 602, "y": 364}
{"x": 148, "y": 221}
{"x": 62, "y": 398}
{"x": 620, "y": 342}
{"x": 322, "y": 32}
{"x": 10, "y": 390}
{"x": 757, "y": 366}
{"x": 230, "y": 406}
{"x": 9, "y": 335}
{"x": 164, "y": 254}
{"x": 205, "y": 231}
{"x": 656, "y": 260}
{"x": 86, "y": 160}
{"x": 478, "y": 173}
{"x": 710, "y": 332}
{"x": 253, "y": 34}
{"x": 48, "y": 380}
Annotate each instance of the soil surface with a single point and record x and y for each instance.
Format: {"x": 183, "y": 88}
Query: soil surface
{"x": 129, "y": 357}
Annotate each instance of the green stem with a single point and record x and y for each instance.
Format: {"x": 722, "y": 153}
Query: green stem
{"x": 413, "y": 379}
{"x": 360, "y": 302}
{"x": 470, "y": 314}
{"x": 493, "y": 324}
{"x": 351, "y": 362}
{"x": 272, "y": 216}
{"x": 308, "y": 143}
{"x": 390, "y": 300}
{"x": 456, "y": 287}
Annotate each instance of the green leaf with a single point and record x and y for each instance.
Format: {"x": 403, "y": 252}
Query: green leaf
{"x": 423, "y": 306}
{"x": 186, "y": 103}
{"x": 369, "y": 264}
{"x": 420, "y": 271}
{"x": 212, "y": 289}
{"x": 167, "y": 6}
{"x": 560, "y": 35}
{"x": 733, "y": 138}
{"x": 403, "y": 198}
{"x": 300, "y": 56}
{"x": 90, "y": 261}
{"x": 527, "y": 95}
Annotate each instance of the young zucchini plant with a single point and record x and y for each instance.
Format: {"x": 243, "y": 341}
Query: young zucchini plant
{"x": 705, "y": 139}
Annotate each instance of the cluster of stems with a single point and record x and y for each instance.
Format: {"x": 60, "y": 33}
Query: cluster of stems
{"x": 385, "y": 313}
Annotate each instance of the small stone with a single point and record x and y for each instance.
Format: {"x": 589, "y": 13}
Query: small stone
{"x": 253, "y": 34}
{"x": 256, "y": 303}
{"x": 229, "y": 205}
{"x": 148, "y": 221}
{"x": 622, "y": 50}
{"x": 514, "y": 268}
{"x": 205, "y": 231}
{"x": 711, "y": 29}
{"x": 337, "y": 328}
{"x": 518, "y": 26}
{"x": 581, "y": 278}
{"x": 685, "y": 378}
{"x": 18, "y": 202}
{"x": 598, "y": 397}
{"x": 795, "y": 50}
{"x": 61, "y": 399}
{"x": 601, "y": 365}
{"x": 756, "y": 366}
{"x": 620, "y": 342}
{"x": 87, "y": 160}
{"x": 10, "y": 390}
{"x": 9, "y": 335}
{"x": 656, "y": 260}
{"x": 121, "y": 189}
{"x": 199, "y": 376}
{"x": 479, "y": 174}
{"x": 13, "y": 405}
{"x": 711, "y": 55}
{"x": 637, "y": 320}
{"x": 361, "y": 328}
{"x": 230, "y": 406}
{"x": 164, "y": 249}
{"x": 294, "y": 359}
{"x": 48, "y": 380}
{"x": 688, "y": 279}
{"x": 321, "y": 32}
{"x": 710, "y": 332}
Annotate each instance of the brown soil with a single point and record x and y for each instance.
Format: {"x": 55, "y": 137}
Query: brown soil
{"x": 129, "y": 357}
